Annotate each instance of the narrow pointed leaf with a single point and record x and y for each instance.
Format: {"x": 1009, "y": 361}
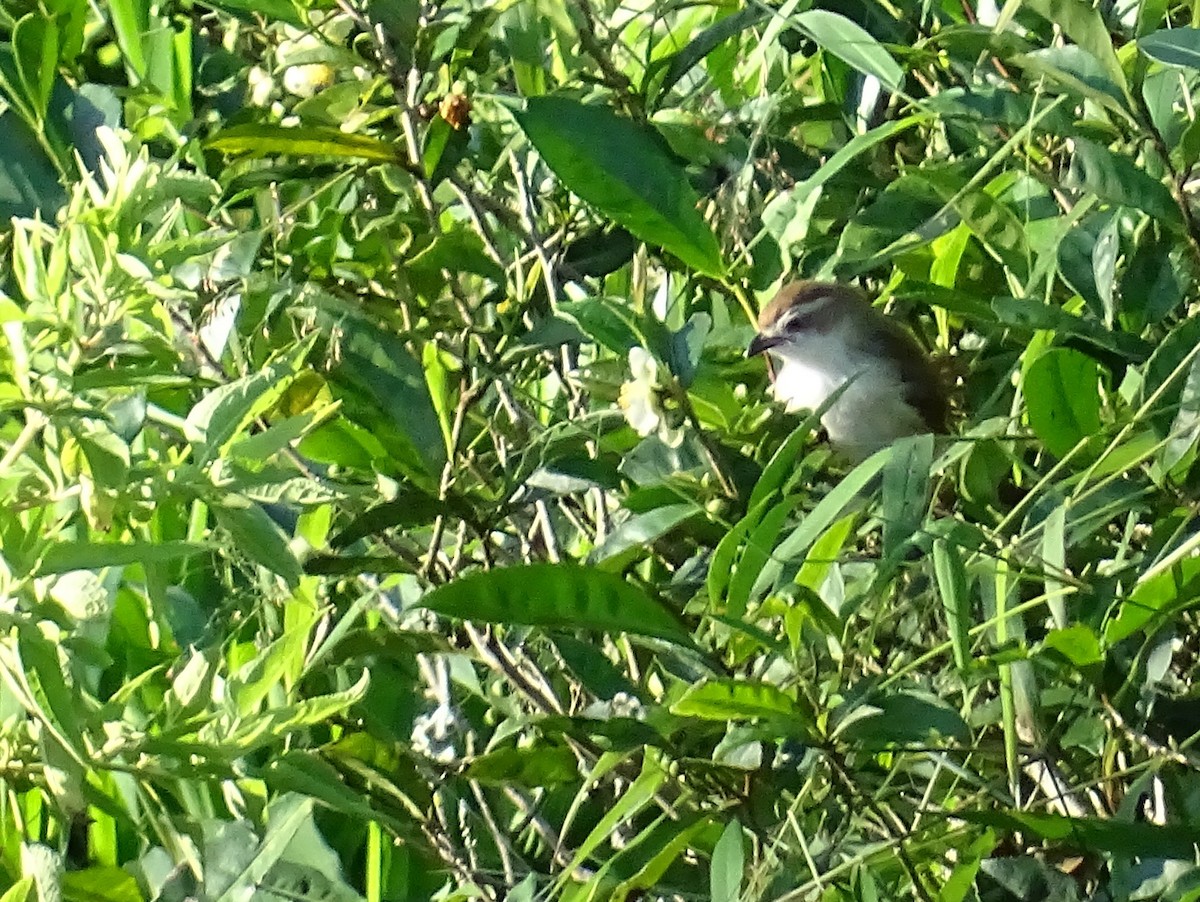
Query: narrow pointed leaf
{"x": 558, "y": 596}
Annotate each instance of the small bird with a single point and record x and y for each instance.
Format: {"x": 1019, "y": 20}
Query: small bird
{"x": 823, "y": 335}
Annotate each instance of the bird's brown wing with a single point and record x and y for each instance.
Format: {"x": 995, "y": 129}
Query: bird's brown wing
{"x": 925, "y": 384}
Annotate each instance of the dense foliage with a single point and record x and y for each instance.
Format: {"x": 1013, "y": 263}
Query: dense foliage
{"x": 388, "y": 510}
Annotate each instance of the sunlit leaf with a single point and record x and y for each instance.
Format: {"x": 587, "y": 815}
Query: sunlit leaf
{"x": 624, "y": 171}
{"x": 1062, "y": 398}
{"x": 310, "y": 141}
{"x": 559, "y": 596}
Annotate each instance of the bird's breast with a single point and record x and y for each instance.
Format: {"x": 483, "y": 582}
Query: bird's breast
{"x": 872, "y": 412}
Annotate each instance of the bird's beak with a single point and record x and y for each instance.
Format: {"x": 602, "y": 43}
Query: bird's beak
{"x": 763, "y": 343}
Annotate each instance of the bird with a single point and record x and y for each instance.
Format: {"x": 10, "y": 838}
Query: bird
{"x": 821, "y": 335}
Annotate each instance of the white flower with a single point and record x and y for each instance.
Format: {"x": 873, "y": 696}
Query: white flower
{"x": 639, "y": 396}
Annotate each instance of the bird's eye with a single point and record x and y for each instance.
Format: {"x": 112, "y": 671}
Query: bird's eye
{"x": 797, "y": 322}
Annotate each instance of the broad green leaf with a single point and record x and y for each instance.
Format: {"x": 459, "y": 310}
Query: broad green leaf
{"x": 760, "y": 543}
{"x": 1031, "y": 314}
{"x": 1062, "y": 398}
{"x": 258, "y": 537}
{"x": 1084, "y": 24}
{"x": 28, "y": 175}
{"x": 899, "y": 717}
{"x": 1093, "y": 834}
{"x": 606, "y": 321}
{"x": 668, "y": 843}
{"x": 850, "y": 43}
{"x": 1079, "y": 644}
{"x": 639, "y": 794}
{"x": 1173, "y": 46}
{"x": 624, "y": 171}
{"x": 557, "y": 596}
{"x": 1115, "y": 178}
{"x": 783, "y": 462}
{"x": 642, "y": 530}
{"x": 997, "y": 228}
{"x": 851, "y": 151}
{"x": 24, "y": 890}
{"x": 1167, "y": 374}
{"x": 736, "y": 700}
{"x": 62, "y": 557}
{"x": 383, "y": 389}
{"x": 1074, "y": 71}
{"x": 1152, "y": 599}
{"x": 130, "y": 20}
{"x": 234, "y": 736}
{"x": 35, "y": 45}
{"x": 905, "y": 491}
{"x": 543, "y": 764}
{"x": 411, "y": 507}
{"x": 259, "y": 140}
{"x": 290, "y": 814}
{"x": 228, "y": 410}
{"x": 310, "y": 772}
{"x": 728, "y": 861}
{"x": 720, "y": 568}
{"x": 271, "y": 10}
{"x": 1185, "y": 428}
{"x": 99, "y": 884}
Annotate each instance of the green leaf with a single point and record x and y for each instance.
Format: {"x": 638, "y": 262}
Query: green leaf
{"x": 783, "y": 462}
{"x": 258, "y": 537}
{"x": 257, "y": 140}
{"x": 24, "y": 890}
{"x": 1166, "y": 373}
{"x": 1083, "y": 24}
{"x": 736, "y": 700}
{"x": 622, "y": 169}
{"x": 850, "y": 43}
{"x": 99, "y": 884}
{"x": 233, "y": 877}
{"x": 63, "y": 557}
{"x": 679, "y": 64}
{"x": 271, "y": 10}
{"x": 997, "y": 228}
{"x": 643, "y": 530}
{"x": 28, "y": 176}
{"x": 35, "y": 45}
{"x": 956, "y": 603}
{"x": 1143, "y": 838}
{"x": 1074, "y": 71}
{"x": 130, "y": 20}
{"x": 728, "y": 862}
{"x": 1062, "y": 398}
{"x": 384, "y": 386}
{"x": 831, "y": 507}
{"x": 1153, "y": 599}
{"x": 557, "y": 596}
{"x": 606, "y": 321}
{"x": 1118, "y": 180}
{"x": 843, "y": 158}
{"x": 1079, "y": 644}
{"x": 228, "y": 410}
{"x": 1185, "y": 428}
{"x": 1173, "y": 46}
{"x": 542, "y": 764}
{"x": 758, "y": 551}
{"x": 899, "y": 717}
{"x": 905, "y": 491}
